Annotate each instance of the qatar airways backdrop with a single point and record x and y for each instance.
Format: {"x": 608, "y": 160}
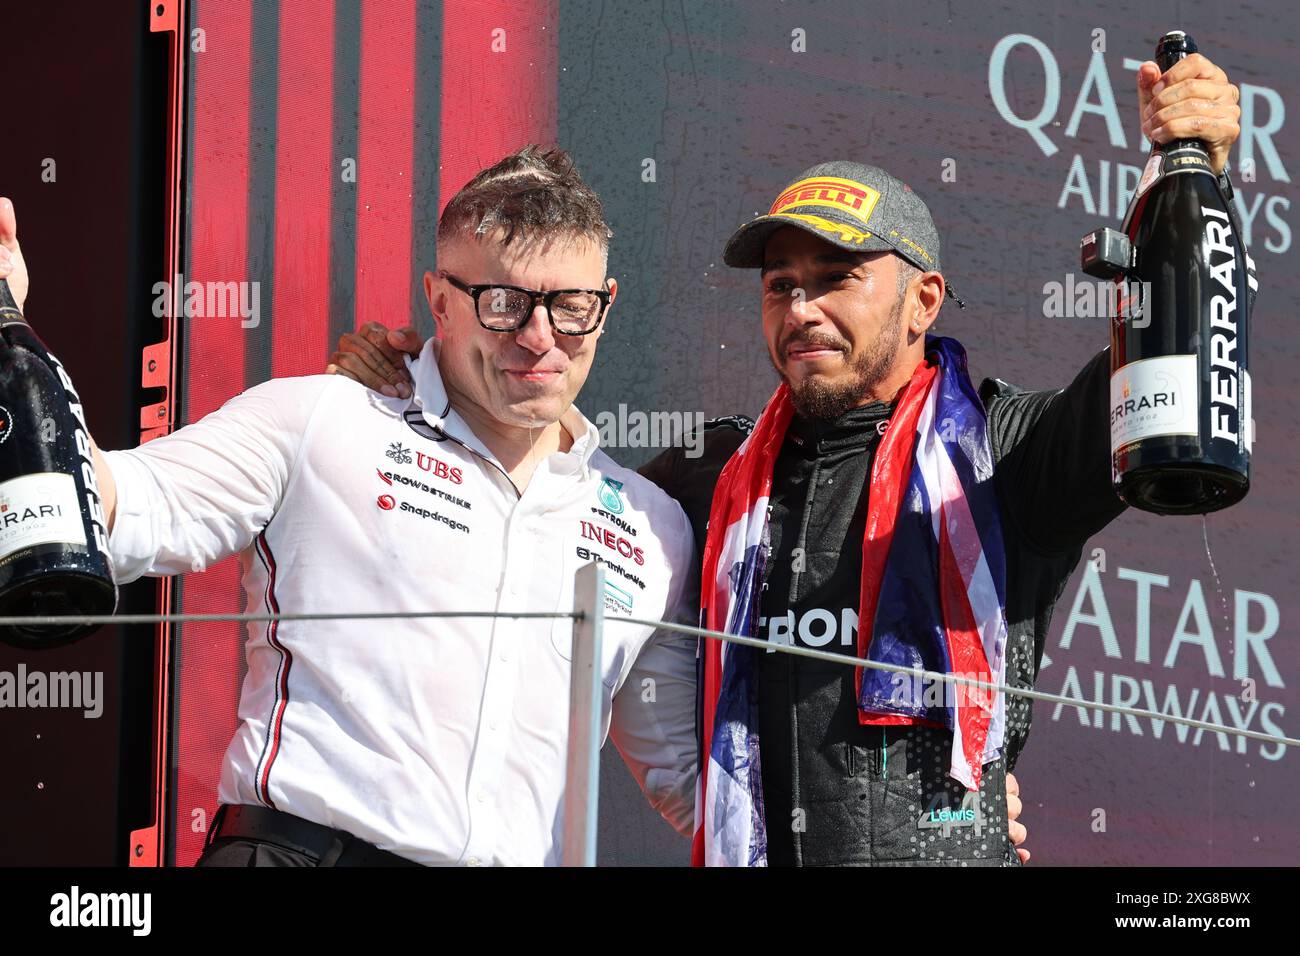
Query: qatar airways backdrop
{"x": 325, "y": 138}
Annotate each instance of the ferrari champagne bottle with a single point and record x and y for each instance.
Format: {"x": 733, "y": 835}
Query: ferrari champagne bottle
{"x": 53, "y": 534}
{"x": 1180, "y": 407}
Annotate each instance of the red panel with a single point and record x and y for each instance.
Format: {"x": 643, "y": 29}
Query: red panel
{"x": 218, "y": 224}
{"x": 211, "y": 658}
{"x": 495, "y": 100}
{"x": 491, "y": 104}
{"x": 385, "y": 142}
{"x": 303, "y": 176}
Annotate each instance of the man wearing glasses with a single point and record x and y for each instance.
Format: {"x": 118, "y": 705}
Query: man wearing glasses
{"x": 824, "y": 515}
{"x": 409, "y": 741}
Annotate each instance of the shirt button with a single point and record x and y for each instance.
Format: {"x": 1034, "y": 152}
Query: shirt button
{"x": 472, "y": 861}
{"x": 482, "y": 796}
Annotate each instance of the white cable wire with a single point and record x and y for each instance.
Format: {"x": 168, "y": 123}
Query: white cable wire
{"x": 831, "y": 657}
{"x": 953, "y": 679}
{"x": 62, "y": 620}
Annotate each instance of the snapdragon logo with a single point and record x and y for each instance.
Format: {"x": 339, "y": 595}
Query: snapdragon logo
{"x": 78, "y": 690}
{"x": 639, "y": 429}
{"x": 209, "y": 300}
{"x": 75, "y": 908}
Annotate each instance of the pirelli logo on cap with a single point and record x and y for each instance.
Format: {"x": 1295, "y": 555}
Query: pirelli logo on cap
{"x": 843, "y": 194}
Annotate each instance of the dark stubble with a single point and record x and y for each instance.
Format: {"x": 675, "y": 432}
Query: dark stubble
{"x": 817, "y": 398}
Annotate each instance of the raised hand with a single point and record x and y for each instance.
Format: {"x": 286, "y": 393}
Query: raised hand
{"x": 1193, "y": 100}
{"x": 12, "y": 266}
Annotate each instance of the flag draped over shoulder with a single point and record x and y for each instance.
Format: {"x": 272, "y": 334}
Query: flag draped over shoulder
{"x": 933, "y": 591}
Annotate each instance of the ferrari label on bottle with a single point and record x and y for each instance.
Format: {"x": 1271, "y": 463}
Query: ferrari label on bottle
{"x": 1155, "y": 396}
{"x": 39, "y": 509}
{"x": 1223, "y": 325}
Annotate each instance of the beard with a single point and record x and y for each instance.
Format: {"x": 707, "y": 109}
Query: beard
{"x": 816, "y": 398}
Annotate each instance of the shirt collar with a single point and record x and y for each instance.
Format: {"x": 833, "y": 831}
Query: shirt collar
{"x": 430, "y": 397}
{"x": 856, "y": 428}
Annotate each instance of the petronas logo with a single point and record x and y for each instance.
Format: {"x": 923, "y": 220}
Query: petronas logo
{"x": 610, "y": 495}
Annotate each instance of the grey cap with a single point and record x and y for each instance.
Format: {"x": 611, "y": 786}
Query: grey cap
{"x": 850, "y": 205}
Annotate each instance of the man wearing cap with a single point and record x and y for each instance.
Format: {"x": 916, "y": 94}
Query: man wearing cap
{"x": 880, "y": 485}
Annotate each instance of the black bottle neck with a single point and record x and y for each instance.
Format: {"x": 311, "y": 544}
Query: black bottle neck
{"x": 1176, "y": 144}
{"x": 9, "y": 311}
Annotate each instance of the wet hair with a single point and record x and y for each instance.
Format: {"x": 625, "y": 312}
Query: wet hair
{"x": 532, "y": 195}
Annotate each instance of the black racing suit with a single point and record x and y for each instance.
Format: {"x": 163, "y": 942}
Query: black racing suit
{"x": 836, "y": 792}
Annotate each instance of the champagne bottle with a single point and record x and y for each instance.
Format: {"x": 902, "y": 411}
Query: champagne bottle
{"x": 54, "y": 555}
{"x": 1180, "y": 410}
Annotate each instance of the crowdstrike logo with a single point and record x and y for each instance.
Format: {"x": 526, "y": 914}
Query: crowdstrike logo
{"x": 391, "y": 478}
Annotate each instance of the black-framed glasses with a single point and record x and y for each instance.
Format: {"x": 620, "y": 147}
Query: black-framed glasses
{"x": 506, "y": 308}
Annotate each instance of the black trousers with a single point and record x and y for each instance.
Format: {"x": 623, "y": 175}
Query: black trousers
{"x": 236, "y": 852}
{"x": 259, "y": 836}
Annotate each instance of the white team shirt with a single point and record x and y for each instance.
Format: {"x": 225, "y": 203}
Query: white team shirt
{"x": 441, "y": 740}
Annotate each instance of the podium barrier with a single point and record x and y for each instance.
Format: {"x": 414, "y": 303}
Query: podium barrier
{"x": 585, "y": 688}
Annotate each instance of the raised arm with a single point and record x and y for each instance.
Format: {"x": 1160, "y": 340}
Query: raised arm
{"x": 204, "y": 492}
{"x": 1053, "y": 451}
{"x": 183, "y": 501}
